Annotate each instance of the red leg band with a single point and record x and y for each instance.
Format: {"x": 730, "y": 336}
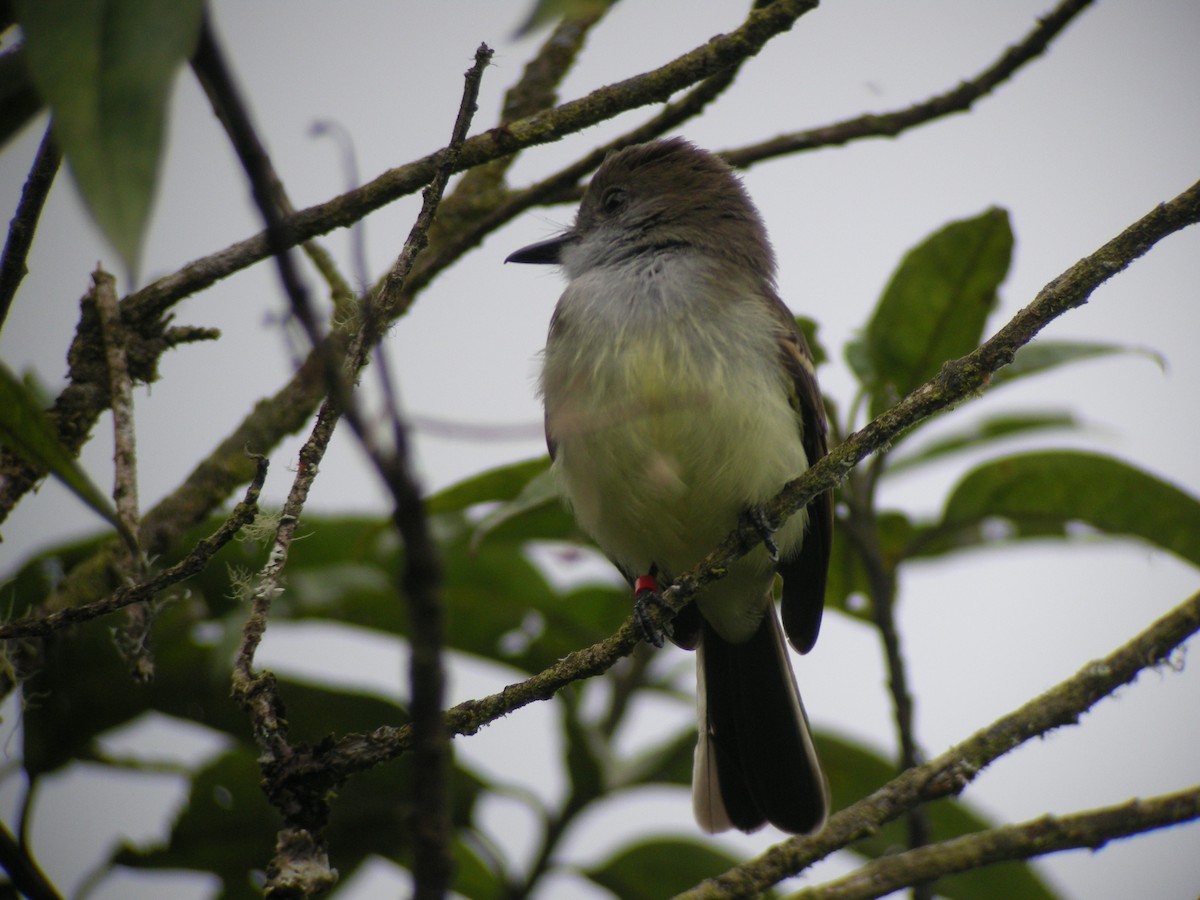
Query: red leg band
{"x": 645, "y": 583}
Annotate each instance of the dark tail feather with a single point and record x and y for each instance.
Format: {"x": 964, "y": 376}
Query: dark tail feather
{"x": 755, "y": 761}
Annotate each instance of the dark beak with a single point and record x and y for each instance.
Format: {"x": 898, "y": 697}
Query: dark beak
{"x": 543, "y": 252}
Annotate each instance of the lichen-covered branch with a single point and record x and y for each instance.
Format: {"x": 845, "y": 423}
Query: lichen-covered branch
{"x": 1047, "y": 834}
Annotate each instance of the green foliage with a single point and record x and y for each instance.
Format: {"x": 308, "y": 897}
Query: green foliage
{"x": 1043, "y": 494}
{"x": 25, "y": 430}
{"x": 934, "y": 308}
{"x": 105, "y": 68}
{"x": 1042, "y": 355}
{"x": 544, "y": 12}
{"x": 19, "y": 101}
{"x": 660, "y": 867}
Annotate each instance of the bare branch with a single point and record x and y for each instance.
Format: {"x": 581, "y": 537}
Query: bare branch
{"x": 1048, "y": 834}
{"x": 22, "y": 868}
{"x": 432, "y": 834}
{"x": 959, "y": 99}
{"x": 300, "y": 863}
{"x": 24, "y": 223}
{"x": 654, "y": 86}
{"x": 133, "y": 641}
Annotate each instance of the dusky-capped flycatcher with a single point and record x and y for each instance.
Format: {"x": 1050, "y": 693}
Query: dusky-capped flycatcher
{"x": 679, "y": 396}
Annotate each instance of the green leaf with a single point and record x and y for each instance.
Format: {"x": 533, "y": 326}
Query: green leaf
{"x": 499, "y": 484}
{"x": 546, "y": 11}
{"x": 19, "y": 101}
{"x": 809, "y": 328}
{"x": 539, "y": 495}
{"x": 474, "y": 876}
{"x": 659, "y": 867}
{"x": 669, "y": 762}
{"x": 228, "y": 828}
{"x": 26, "y": 431}
{"x": 934, "y": 308}
{"x": 1041, "y": 356}
{"x": 980, "y": 434}
{"x": 584, "y": 750}
{"x": 1040, "y": 494}
{"x": 847, "y": 577}
{"x": 105, "y": 68}
{"x": 529, "y": 505}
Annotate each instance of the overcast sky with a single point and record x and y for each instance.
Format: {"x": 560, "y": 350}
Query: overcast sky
{"x": 1083, "y": 142}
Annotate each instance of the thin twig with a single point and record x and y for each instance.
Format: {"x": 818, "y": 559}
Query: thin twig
{"x": 209, "y": 63}
{"x": 133, "y": 641}
{"x": 862, "y": 527}
{"x": 561, "y": 186}
{"x": 890, "y": 124}
{"x": 23, "y": 870}
{"x": 243, "y": 514}
{"x": 300, "y": 865}
{"x": 24, "y": 222}
{"x": 433, "y": 863}
{"x": 657, "y": 85}
{"x": 535, "y": 91}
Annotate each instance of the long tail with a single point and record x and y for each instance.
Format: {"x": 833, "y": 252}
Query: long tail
{"x": 755, "y": 760}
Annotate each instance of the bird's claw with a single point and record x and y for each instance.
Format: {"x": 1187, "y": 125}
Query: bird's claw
{"x": 645, "y": 597}
{"x": 754, "y": 519}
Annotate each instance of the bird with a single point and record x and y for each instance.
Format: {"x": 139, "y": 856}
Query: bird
{"x": 680, "y": 396}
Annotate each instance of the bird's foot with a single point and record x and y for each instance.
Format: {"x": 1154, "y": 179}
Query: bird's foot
{"x": 755, "y": 528}
{"x": 646, "y": 597}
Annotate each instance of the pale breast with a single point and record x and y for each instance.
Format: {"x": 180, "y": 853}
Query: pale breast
{"x": 668, "y": 408}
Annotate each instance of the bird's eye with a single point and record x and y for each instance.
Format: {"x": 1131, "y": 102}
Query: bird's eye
{"x": 614, "y": 199}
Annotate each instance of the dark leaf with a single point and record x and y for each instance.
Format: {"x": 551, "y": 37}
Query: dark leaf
{"x": 19, "y": 101}
{"x": 584, "y": 750}
{"x": 809, "y": 328}
{"x": 545, "y": 12}
{"x": 1041, "y": 356}
{"x": 26, "y": 431}
{"x": 500, "y": 484}
{"x": 934, "y": 308}
{"x": 980, "y": 434}
{"x": 667, "y": 763}
{"x": 847, "y": 587}
{"x": 228, "y": 828}
{"x": 659, "y": 867}
{"x": 1043, "y": 493}
{"x": 105, "y": 68}
{"x": 537, "y": 510}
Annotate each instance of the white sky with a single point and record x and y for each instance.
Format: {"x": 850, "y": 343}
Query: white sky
{"x": 1083, "y": 142}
